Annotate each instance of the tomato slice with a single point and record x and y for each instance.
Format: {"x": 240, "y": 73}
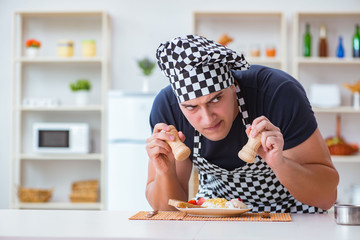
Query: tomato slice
{"x": 200, "y": 201}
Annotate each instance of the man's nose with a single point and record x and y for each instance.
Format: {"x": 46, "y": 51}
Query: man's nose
{"x": 207, "y": 117}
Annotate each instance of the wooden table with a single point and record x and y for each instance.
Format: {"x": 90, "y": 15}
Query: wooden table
{"x": 74, "y": 224}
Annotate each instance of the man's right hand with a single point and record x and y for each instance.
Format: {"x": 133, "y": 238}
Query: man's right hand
{"x": 159, "y": 152}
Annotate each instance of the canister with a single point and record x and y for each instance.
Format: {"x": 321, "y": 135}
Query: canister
{"x": 65, "y": 48}
{"x": 270, "y": 51}
{"x": 88, "y": 48}
{"x": 255, "y": 50}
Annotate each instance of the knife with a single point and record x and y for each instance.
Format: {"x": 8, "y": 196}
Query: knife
{"x": 152, "y": 213}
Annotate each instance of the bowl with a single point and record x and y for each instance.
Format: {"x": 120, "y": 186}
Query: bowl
{"x": 347, "y": 214}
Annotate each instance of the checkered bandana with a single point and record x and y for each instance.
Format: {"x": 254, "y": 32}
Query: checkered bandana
{"x": 197, "y": 66}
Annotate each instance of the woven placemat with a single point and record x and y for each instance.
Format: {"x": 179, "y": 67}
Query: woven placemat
{"x": 245, "y": 217}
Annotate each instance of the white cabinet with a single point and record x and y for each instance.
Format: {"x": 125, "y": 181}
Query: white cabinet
{"x": 332, "y": 70}
{"x": 46, "y": 78}
{"x": 249, "y": 31}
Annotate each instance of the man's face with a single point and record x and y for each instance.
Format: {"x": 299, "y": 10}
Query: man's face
{"x": 213, "y": 114}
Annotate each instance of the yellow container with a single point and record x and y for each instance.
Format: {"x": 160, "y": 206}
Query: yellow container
{"x": 65, "y": 48}
{"x": 88, "y": 48}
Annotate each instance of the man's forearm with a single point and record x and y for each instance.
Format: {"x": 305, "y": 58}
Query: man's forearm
{"x": 312, "y": 184}
{"x": 162, "y": 188}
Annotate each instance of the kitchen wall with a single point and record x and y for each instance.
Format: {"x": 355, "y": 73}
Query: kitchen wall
{"x": 138, "y": 26}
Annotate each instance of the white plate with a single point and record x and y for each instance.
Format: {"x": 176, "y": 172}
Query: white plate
{"x": 214, "y": 212}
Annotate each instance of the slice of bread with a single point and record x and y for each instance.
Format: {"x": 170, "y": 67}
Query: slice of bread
{"x": 182, "y": 204}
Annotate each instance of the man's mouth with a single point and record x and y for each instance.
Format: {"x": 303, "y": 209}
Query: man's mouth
{"x": 213, "y": 128}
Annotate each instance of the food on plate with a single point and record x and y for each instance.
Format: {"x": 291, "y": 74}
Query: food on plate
{"x": 215, "y": 203}
{"x": 223, "y": 203}
{"x": 338, "y": 146}
{"x": 209, "y": 203}
{"x": 236, "y": 203}
{"x": 179, "y": 149}
{"x": 182, "y": 204}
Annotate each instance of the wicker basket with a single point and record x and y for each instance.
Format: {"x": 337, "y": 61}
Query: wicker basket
{"x": 34, "y": 194}
{"x": 83, "y": 196}
{"x": 84, "y": 191}
{"x": 85, "y": 185}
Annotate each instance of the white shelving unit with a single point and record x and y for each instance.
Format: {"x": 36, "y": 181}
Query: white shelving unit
{"x": 36, "y": 78}
{"x": 248, "y": 29}
{"x": 331, "y": 70}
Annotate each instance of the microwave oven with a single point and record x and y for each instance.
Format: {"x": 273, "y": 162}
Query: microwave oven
{"x": 61, "y": 137}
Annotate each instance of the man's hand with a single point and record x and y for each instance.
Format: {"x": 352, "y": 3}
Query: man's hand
{"x": 305, "y": 170}
{"x": 272, "y": 141}
{"x": 159, "y": 152}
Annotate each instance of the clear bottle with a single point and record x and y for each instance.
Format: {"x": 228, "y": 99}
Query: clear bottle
{"x": 307, "y": 42}
{"x": 356, "y": 43}
{"x": 323, "y": 51}
{"x": 340, "y": 52}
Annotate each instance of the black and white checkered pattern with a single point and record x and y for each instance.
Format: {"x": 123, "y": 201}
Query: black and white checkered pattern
{"x": 256, "y": 184}
{"x": 197, "y": 66}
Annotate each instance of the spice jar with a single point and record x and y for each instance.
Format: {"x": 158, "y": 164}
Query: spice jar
{"x": 65, "y": 48}
{"x": 88, "y": 48}
{"x": 270, "y": 51}
{"x": 255, "y": 50}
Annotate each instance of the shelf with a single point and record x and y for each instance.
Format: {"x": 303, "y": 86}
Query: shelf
{"x": 59, "y": 60}
{"x": 235, "y": 14}
{"x": 327, "y": 14}
{"x": 60, "y": 205}
{"x": 45, "y": 78}
{"x": 263, "y": 60}
{"x": 244, "y": 27}
{"x": 341, "y": 109}
{"x": 327, "y": 60}
{"x": 346, "y": 159}
{"x": 59, "y": 13}
{"x": 87, "y": 108}
{"x": 91, "y": 156}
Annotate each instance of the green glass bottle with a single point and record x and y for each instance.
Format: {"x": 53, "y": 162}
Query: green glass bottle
{"x": 356, "y": 43}
{"x": 307, "y": 41}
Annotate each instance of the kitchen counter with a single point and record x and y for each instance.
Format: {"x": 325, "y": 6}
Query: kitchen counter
{"x": 73, "y": 224}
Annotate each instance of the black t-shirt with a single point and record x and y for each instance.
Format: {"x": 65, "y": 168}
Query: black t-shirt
{"x": 266, "y": 91}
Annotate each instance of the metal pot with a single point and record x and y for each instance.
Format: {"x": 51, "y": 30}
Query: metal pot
{"x": 347, "y": 214}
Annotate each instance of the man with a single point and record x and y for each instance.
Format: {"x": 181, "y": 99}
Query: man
{"x": 215, "y": 99}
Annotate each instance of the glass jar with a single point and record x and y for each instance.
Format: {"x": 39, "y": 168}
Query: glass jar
{"x": 88, "y": 48}
{"x": 270, "y": 51}
{"x": 65, "y": 48}
{"x": 254, "y": 50}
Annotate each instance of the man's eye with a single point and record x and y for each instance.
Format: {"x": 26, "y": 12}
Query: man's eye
{"x": 190, "y": 108}
{"x": 215, "y": 100}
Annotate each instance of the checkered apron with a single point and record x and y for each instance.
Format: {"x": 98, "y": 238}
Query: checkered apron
{"x": 256, "y": 183}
